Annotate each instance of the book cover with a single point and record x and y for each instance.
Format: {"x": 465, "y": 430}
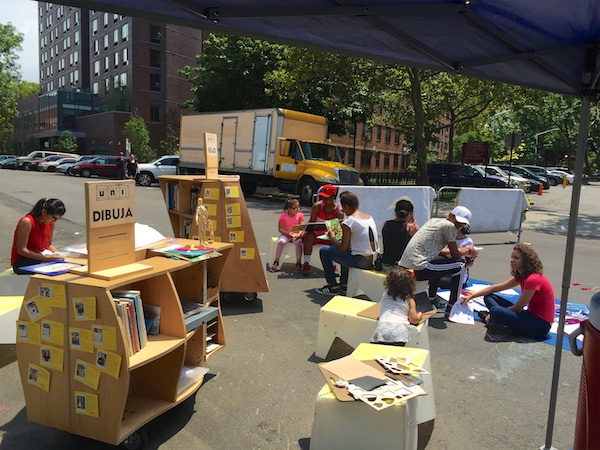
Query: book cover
{"x": 138, "y": 310}
{"x": 132, "y": 325}
{"x": 335, "y": 226}
{"x": 124, "y": 317}
{"x": 152, "y": 314}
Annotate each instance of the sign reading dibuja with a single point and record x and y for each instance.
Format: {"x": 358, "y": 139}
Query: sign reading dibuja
{"x": 111, "y": 203}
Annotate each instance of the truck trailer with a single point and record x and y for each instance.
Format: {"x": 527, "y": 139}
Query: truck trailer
{"x": 271, "y": 147}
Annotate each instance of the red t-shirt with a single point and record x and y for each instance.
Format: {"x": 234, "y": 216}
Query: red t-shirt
{"x": 542, "y": 302}
{"x": 39, "y": 238}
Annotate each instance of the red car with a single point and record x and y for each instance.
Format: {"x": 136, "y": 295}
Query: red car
{"x": 102, "y": 166}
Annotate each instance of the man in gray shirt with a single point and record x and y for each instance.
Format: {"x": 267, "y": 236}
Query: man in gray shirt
{"x": 422, "y": 254}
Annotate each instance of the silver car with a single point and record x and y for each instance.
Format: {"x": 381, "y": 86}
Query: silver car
{"x": 515, "y": 180}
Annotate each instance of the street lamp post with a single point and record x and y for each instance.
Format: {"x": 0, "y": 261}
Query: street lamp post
{"x": 537, "y": 137}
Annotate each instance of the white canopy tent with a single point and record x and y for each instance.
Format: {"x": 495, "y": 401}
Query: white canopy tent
{"x": 551, "y": 45}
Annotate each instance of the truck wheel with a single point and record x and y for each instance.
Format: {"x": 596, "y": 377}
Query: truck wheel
{"x": 307, "y": 188}
{"x": 136, "y": 440}
{"x": 250, "y": 296}
{"x": 248, "y": 188}
{"x": 86, "y": 173}
{"x": 144, "y": 179}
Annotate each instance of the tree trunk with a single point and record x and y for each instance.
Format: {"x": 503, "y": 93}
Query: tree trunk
{"x": 419, "y": 136}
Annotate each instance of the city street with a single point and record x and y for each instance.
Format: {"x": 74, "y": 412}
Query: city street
{"x": 261, "y": 389}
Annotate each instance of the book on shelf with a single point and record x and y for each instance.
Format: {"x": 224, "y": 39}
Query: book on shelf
{"x": 194, "y": 194}
{"x": 138, "y": 321}
{"x": 152, "y": 314}
{"x": 124, "y": 318}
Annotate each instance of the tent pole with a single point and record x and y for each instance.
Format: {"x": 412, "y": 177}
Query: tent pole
{"x": 584, "y": 119}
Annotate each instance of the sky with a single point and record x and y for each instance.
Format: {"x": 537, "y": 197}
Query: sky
{"x": 23, "y": 15}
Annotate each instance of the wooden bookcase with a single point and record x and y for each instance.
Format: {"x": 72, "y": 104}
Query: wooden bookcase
{"x": 147, "y": 383}
{"x": 227, "y": 209}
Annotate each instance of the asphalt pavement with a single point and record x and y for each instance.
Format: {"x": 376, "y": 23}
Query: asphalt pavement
{"x": 261, "y": 390}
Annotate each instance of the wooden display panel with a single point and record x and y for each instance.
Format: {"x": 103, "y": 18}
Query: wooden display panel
{"x": 227, "y": 208}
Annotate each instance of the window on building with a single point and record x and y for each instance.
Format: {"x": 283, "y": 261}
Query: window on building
{"x": 115, "y": 17}
{"x": 95, "y": 89}
{"x": 96, "y": 68}
{"x": 76, "y": 19}
{"x": 106, "y": 64}
{"x": 123, "y": 79}
{"x": 365, "y": 158}
{"x": 77, "y": 37}
{"x": 105, "y": 20}
{"x": 116, "y": 60}
{"x": 155, "y": 34}
{"x": 76, "y": 76}
{"x": 76, "y": 57}
{"x": 388, "y": 135}
{"x": 154, "y": 58}
{"x": 125, "y": 56}
{"x": 352, "y": 129}
{"x": 154, "y": 111}
{"x": 116, "y": 37}
{"x": 70, "y": 61}
{"x": 367, "y": 132}
{"x": 106, "y": 42}
{"x": 386, "y": 162}
{"x": 68, "y": 23}
{"x": 125, "y": 32}
{"x": 377, "y": 159}
{"x": 96, "y": 47}
{"x": 155, "y": 82}
{"x": 396, "y": 161}
{"x": 116, "y": 81}
{"x": 378, "y": 133}
{"x": 95, "y": 27}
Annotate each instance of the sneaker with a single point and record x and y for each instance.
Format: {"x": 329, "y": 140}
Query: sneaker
{"x": 438, "y": 302}
{"x": 330, "y": 289}
{"x": 306, "y": 269}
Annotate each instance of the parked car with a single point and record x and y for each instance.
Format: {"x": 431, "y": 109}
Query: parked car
{"x": 561, "y": 174}
{"x": 541, "y": 171}
{"x": 3, "y": 157}
{"x": 23, "y": 162}
{"x": 534, "y": 185}
{"x": 65, "y": 167}
{"x": 50, "y": 163}
{"x": 512, "y": 180}
{"x": 149, "y": 172}
{"x": 102, "y": 166}
{"x": 570, "y": 175}
{"x": 526, "y": 174}
{"x": 9, "y": 163}
{"x": 457, "y": 174}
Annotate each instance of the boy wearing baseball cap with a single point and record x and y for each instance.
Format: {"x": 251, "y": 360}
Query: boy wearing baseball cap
{"x": 423, "y": 251}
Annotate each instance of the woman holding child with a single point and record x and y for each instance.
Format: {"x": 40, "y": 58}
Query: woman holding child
{"x": 536, "y": 293}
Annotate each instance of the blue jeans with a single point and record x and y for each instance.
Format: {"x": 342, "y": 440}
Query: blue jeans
{"x": 524, "y": 323}
{"x": 330, "y": 254}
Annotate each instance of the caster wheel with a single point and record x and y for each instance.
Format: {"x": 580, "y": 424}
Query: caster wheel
{"x": 250, "y": 296}
{"x": 135, "y": 441}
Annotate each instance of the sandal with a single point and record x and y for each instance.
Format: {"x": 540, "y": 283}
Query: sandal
{"x": 274, "y": 268}
{"x": 298, "y": 268}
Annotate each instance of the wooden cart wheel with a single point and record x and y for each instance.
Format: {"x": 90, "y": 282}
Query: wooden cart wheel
{"x": 135, "y": 440}
{"x": 250, "y": 296}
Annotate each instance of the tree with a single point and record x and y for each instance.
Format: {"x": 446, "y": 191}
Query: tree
{"x": 136, "y": 131}
{"x": 10, "y": 43}
{"x": 170, "y": 144}
{"x": 67, "y": 142}
{"x": 230, "y": 74}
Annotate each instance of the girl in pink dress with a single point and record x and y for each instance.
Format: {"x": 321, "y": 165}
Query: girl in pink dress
{"x": 291, "y": 217}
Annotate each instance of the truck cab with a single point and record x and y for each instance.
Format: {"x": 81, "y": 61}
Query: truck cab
{"x": 303, "y": 166}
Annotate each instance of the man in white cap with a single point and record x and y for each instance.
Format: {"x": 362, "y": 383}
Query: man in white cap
{"x": 422, "y": 254}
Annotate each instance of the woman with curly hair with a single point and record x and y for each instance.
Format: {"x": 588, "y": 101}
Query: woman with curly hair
{"x": 536, "y": 293}
{"x": 399, "y": 315}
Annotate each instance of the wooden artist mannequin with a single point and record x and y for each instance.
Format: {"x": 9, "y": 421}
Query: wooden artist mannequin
{"x": 200, "y": 219}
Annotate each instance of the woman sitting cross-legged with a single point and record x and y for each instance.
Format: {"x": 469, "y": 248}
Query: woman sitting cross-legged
{"x": 536, "y": 293}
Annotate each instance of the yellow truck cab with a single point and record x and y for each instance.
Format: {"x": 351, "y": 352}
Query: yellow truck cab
{"x": 267, "y": 147}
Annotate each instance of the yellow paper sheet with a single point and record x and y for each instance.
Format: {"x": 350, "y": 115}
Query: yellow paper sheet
{"x": 28, "y": 332}
{"x": 105, "y": 337}
{"x": 53, "y": 332}
{"x": 86, "y": 404}
{"x": 232, "y": 209}
{"x": 84, "y": 308}
{"x": 81, "y": 339}
{"x": 35, "y": 310}
{"x": 109, "y": 362}
{"x": 236, "y": 236}
{"x": 233, "y": 221}
{"x": 232, "y": 192}
{"x": 38, "y": 376}
{"x": 87, "y": 373}
{"x": 211, "y": 208}
{"x": 52, "y": 357}
{"x": 52, "y": 294}
{"x": 247, "y": 253}
{"x": 211, "y": 194}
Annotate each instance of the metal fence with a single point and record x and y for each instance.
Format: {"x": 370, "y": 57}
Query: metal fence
{"x": 389, "y": 178}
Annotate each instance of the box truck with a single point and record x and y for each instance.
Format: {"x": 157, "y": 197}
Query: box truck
{"x": 267, "y": 147}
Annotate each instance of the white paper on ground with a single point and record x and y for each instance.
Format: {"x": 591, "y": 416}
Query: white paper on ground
{"x": 461, "y": 313}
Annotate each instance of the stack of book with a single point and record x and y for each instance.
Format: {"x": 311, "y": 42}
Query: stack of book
{"x": 192, "y": 253}
{"x": 132, "y": 313}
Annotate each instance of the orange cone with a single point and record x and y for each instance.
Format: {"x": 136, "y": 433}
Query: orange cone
{"x": 540, "y": 190}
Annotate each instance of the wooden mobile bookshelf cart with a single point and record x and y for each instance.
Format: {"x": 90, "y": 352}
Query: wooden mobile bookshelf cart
{"x": 231, "y": 223}
{"x": 110, "y": 400}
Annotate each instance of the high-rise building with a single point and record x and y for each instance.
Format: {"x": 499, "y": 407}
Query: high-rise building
{"x": 98, "y": 68}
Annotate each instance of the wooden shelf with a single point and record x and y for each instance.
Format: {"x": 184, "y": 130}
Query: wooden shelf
{"x": 156, "y": 347}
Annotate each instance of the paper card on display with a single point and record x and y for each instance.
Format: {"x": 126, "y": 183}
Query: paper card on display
{"x": 109, "y": 362}
{"x": 232, "y": 209}
{"x": 232, "y": 192}
{"x": 87, "y": 374}
{"x": 211, "y": 193}
{"x": 35, "y": 310}
{"x": 28, "y": 332}
{"x": 105, "y": 337}
{"x": 52, "y": 294}
{"x": 211, "y": 209}
{"x": 84, "y": 308}
{"x": 247, "y": 253}
{"x": 52, "y": 357}
{"x": 233, "y": 222}
{"x": 38, "y": 376}
{"x": 53, "y": 332}
{"x": 81, "y": 339}
{"x": 86, "y": 404}
{"x": 236, "y": 236}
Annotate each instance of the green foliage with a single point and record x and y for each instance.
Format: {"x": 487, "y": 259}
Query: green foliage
{"x": 230, "y": 74}
{"x": 67, "y": 142}
{"x": 136, "y": 131}
{"x": 10, "y": 43}
{"x": 170, "y": 144}
{"x": 117, "y": 98}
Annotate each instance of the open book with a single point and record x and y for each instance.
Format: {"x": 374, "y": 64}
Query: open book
{"x": 333, "y": 224}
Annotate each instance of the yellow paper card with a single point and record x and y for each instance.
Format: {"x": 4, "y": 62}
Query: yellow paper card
{"x": 52, "y": 294}
{"x": 214, "y": 225}
{"x": 211, "y": 208}
{"x": 35, "y": 310}
{"x": 232, "y": 209}
{"x": 211, "y": 193}
{"x": 84, "y": 308}
{"x": 109, "y": 362}
{"x": 81, "y": 339}
{"x": 28, "y": 332}
{"x": 53, "y": 332}
{"x": 87, "y": 374}
{"x": 105, "y": 337}
{"x": 218, "y": 239}
{"x": 86, "y": 404}
{"x": 233, "y": 221}
{"x": 38, "y": 376}
{"x": 247, "y": 253}
{"x": 52, "y": 357}
{"x": 236, "y": 236}
{"x": 232, "y": 192}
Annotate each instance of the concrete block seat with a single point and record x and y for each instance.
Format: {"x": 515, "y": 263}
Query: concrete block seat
{"x": 339, "y": 319}
{"x": 288, "y": 256}
{"x": 370, "y": 283}
{"x": 355, "y": 425}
